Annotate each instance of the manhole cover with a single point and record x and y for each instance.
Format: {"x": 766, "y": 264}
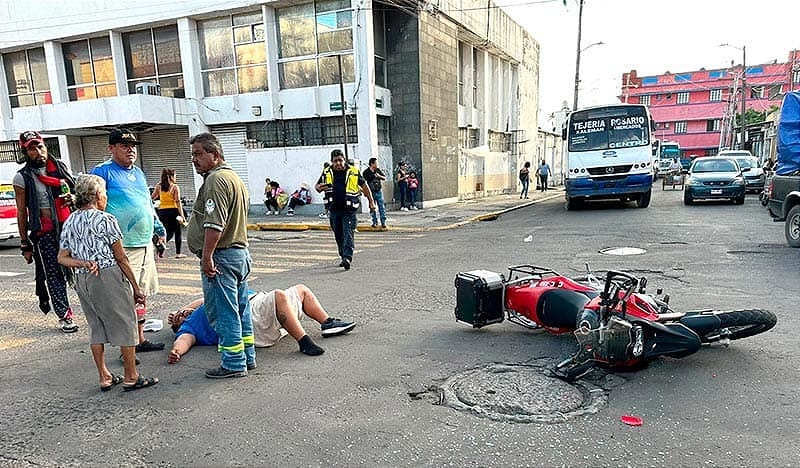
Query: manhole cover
{"x": 520, "y": 393}
{"x": 622, "y": 251}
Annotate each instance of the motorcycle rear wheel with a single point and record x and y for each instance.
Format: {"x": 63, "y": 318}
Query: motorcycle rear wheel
{"x": 742, "y": 323}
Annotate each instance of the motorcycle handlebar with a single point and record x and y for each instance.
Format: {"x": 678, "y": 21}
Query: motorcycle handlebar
{"x": 622, "y": 282}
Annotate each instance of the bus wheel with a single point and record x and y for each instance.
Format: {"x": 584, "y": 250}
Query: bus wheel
{"x": 572, "y": 204}
{"x": 644, "y": 199}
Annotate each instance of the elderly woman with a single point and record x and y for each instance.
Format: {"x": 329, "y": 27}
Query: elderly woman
{"x": 91, "y": 243}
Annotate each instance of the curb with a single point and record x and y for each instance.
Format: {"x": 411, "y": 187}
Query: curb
{"x": 368, "y": 228}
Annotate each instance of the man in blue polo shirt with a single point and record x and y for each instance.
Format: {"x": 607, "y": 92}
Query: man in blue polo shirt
{"x": 129, "y": 201}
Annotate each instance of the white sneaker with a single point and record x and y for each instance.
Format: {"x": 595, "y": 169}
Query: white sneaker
{"x": 413, "y": 207}
{"x": 403, "y": 209}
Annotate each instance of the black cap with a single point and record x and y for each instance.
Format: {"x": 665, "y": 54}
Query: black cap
{"x": 121, "y": 135}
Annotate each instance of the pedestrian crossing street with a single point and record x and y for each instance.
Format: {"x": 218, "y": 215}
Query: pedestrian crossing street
{"x": 273, "y": 252}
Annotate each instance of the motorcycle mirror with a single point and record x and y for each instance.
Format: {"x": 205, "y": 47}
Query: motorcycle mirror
{"x": 642, "y": 284}
{"x": 659, "y": 291}
{"x": 666, "y": 299}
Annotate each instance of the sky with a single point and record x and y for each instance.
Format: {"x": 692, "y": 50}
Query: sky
{"x": 649, "y": 36}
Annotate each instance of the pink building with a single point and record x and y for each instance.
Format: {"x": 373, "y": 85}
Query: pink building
{"x": 698, "y": 108}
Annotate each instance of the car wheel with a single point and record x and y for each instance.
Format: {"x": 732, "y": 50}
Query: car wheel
{"x": 687, "y": 199}
{"x": 572, "y": 204}
{"x": 792, "y": 227}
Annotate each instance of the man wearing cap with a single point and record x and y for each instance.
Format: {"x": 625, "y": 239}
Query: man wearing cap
{"x": 129, "y": 201}
{"x": 217, "y": 234}
{"x": 42, "y": 208}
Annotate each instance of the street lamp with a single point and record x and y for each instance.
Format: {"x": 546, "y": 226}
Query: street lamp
{"x": 744, "y": 88}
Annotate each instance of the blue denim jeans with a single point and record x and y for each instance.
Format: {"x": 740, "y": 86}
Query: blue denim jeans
{"x": 378, "y": 197}
{"x": 525, "y": 184}
{"x": 228, "y": 308}
{"x": 343, "y": 224}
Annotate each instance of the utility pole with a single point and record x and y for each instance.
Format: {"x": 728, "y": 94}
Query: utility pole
{"x": 744, "y": 93}
{"x": 578, "y": 57}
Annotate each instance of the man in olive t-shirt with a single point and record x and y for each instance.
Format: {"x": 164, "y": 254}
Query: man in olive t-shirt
{"x": 217, "y": 233}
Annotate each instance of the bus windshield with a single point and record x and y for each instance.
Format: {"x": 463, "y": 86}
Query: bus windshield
{"x": 608, "y": 128}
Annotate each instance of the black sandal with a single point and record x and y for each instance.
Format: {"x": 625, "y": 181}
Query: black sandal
{"x": 115, "y": 380}
{"x": 141, "y": 382}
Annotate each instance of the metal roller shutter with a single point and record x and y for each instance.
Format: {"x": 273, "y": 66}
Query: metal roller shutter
{"x": 168, "y": 148}
{"x": 232, "y": 138}
{"x": 95, "y": 151}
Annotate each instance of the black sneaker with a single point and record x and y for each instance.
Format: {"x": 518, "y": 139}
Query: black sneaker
{"x": 345, "y": 263}
{"x": 333, "y": 327}
{"x": 223, "y": 373}
{"x": 251, "y": 366}
{"x": 147, "y": 345}
{"x": 374, "y": 225}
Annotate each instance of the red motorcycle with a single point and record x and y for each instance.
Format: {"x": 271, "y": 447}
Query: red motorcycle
{"x": 617, "y": 324}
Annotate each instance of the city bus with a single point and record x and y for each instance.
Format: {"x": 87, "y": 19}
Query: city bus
{"x": 664, "y": 153}
{"x": 609, "y": 154}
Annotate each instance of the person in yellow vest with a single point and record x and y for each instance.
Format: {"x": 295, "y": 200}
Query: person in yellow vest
{"x": 170, "y": 209}
{"x": 342, "y": 183}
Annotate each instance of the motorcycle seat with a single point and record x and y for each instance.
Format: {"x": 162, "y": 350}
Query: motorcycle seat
{"x": 560, "y": 307}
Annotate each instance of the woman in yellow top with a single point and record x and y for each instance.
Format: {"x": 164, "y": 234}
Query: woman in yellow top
{"x": 170, "y": 210}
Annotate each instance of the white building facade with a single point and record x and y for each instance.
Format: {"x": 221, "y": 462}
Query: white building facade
{"x": 451, "y": 89}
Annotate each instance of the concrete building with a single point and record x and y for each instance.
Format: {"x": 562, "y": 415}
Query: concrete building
{"x": 450, "y": 86}
{"x": 699, "y": 109}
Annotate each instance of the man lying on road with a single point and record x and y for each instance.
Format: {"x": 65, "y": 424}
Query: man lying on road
{"x": 275, "y": 314}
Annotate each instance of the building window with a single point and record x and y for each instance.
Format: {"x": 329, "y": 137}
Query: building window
{"x": 796, "y": 76}
{"x": 233, "y": 54}
{"x": 310, "y": 37}
{"x": 683, "y": 98}
{"x": 462, "y": 61}
{"x": 468, "y": 137}
{"x": 89, "y": 69}
{"x": 773, "y": 92}
{"x": 756, "y": 92}
{"x": 379, "y": 28}
{"x": 680, "y": 127}
{"x": 644, "y": 99}
{"x": 715, "y": 95}
{"x": 26, "y": 75}
{"x": 499, "y": 141}
{"x": 713, "y": 125}
{"x": 383, "y": 131}
{"x": 303, "y": 132}
{"x": 154, "y": 56}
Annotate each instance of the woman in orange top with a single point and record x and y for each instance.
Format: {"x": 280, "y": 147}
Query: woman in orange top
{"x": 170, "y": 211}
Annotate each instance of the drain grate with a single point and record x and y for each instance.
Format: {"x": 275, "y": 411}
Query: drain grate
{"x": 520, "y": 393}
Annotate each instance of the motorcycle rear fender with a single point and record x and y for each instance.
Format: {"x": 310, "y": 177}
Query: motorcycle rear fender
{"x": 702, "y": 324}
{"x": 670, "y": 339}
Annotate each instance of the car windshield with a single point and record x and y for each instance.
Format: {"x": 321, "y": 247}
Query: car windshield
{"x": 715, "y": 165}
{"x": 746, "y": 163}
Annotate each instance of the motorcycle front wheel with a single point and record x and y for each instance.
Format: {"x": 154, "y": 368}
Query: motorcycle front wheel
{"x": 736, "y": 324}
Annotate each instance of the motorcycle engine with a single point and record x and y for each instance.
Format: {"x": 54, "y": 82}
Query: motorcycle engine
{"x": 610, "y": 342}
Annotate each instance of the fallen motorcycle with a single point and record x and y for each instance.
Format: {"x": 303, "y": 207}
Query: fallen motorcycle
{"x": 616, "y": 322}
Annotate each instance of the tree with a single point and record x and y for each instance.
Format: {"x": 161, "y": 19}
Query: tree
{"x": 752, "y": 116}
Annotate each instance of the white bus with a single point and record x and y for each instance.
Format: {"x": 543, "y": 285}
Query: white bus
{"x": 609, "y": 154}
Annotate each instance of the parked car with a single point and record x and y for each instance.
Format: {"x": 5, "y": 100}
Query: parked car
{"x": 715, "y": 178}
{"x": 754, "y": 178}
{"x": 8, "y": 213}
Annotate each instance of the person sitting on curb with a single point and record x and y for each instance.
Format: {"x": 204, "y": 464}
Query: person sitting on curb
{"x": 301, "y": 196}
{"x": 275, "y": 314}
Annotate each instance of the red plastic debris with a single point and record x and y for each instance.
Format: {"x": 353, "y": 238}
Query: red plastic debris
{"x": 631, "y": 420}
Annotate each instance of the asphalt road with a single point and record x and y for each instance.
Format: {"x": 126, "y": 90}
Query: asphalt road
{"x": 371, "y": 399}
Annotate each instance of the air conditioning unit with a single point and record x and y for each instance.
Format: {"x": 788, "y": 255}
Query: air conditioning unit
{"x": 153, "y": 89}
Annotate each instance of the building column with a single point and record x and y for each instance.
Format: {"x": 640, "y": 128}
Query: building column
{"x": 364, "y": 99}
{"x": 54, "y": 59}
{"x": 273, "y": 81}
{"x": 118, "y": 59}
{"x": 192, "y": 77}
{"x": 5, "y": 108}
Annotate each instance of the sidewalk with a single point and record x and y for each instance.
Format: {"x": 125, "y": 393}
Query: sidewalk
{"x": 436, "y": 218}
